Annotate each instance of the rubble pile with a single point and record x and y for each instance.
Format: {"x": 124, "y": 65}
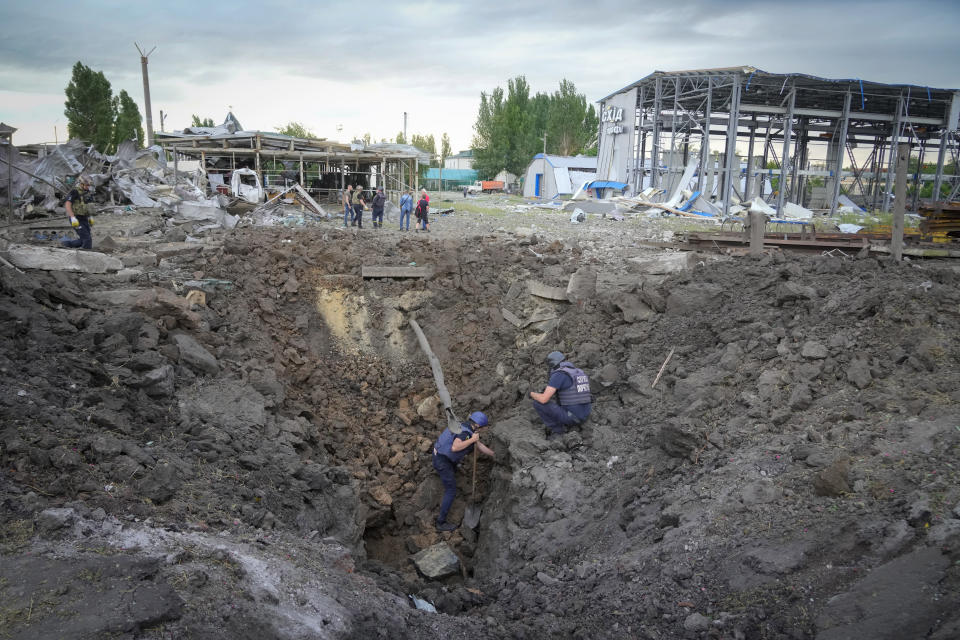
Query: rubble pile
{"x": 141, "y": 178}
{"x": 240, "y": 430}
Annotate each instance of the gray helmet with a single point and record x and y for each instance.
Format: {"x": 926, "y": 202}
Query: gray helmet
{"x": 554, "y": 358}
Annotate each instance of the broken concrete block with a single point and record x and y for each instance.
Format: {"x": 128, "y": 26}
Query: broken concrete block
{"x": 664, "y": 263}
{"x": 612, "y": 284}
{"x": 511, "y": 318}
{"x": 195, "y": 356}
{"x": 634, "y": 309}
{"x": 541, "y": 290}
{"x": 159, "y": 302}
{"x": 50, "y": 259}
{"x": 582, "y": 285}
{"x": 858, "y": 373}
{"x": 834, "y": 480}
{"x": 54, "y": 519}
{"x": 814, "y": 350}
{"x": 171, "y": 249}
{"x": 437, "y": 561}
{"x": 141, "y": 260}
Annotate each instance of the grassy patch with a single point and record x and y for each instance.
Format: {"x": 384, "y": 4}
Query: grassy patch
{"x": 15, "y": 535}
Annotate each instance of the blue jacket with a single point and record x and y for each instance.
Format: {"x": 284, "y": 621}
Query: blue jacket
{"x": 444, "y": 445}
{"x": 406, "y": 203}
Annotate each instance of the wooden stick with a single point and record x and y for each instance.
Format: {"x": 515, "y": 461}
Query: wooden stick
{"x": 660, "y": 373}
{"x": 473, "y": 490}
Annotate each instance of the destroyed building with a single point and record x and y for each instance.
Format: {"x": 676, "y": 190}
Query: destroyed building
{"x": 274, "y": 161}
{"x": 653, "y": 130}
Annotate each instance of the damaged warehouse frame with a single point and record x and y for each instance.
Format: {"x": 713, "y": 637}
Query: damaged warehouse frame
{"x": 654, "y": 129}
{"x": 322, "y": 167}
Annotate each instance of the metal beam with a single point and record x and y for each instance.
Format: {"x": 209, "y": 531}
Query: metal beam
{"x": 748, "y": 186}
{"x": 730, "y": 151}
{"x": 787, "y": 134}
{"x": 841, "y": 147}
{"x": 894, "y": 142}
{"x": 830, "y": 113}
{"x": 938, "y": 179}
{"x": 705, "y": 144}
{"x": 655, "y": 142}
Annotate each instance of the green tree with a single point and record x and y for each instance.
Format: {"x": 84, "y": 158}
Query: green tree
{"x": 90, "y": 107}
{"x": 424, "y": 143}
{"x": 297, "y": 130}
{"x": 195, "y": 121}
{"x": 510, "y": 130}
{"x": 401, "y": 139}
{"x": 128, "y": 124}
{"x": 445, "y": 150}
{"x": 571, "y": 124}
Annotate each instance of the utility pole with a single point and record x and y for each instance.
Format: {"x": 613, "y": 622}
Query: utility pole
{"x": 161, "y": 120}
{"x": 544, "y": 143}
{"x": 146, "y": 92}
{"x": 405, "y": 141}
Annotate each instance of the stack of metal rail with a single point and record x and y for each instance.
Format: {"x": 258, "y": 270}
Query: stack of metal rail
{"x": 941, "y": 220}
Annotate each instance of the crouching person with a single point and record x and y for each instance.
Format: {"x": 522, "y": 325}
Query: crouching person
{"x": 566, "y": 401}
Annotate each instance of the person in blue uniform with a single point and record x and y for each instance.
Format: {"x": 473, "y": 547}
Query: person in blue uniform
{"x": 452, "y": 447}
{"x": 566, "y": 401}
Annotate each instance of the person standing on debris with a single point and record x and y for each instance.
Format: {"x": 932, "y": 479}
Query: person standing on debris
{"x": 347, "y": 205}
{"x": 423, "y": 209}
{"x": 78, "y": 212}
{"x": 570, "y": 388}
{"x": 452, "y": 447}
{"x": 358, "y": 204}
{"x": 377, "y": 206}
{"x": 406, "y": 207}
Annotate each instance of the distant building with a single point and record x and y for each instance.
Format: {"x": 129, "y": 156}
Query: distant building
{"x": 463, "y": 160}
{"x": 508, "y": 179}
{"x": 552, "y": 176}
{"x": 452, "y": 178}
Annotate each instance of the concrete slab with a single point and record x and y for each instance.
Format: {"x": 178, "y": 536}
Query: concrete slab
{"x": 543, "y": 291}
{"x": 171, "y": 249}
{"x": 51, "y": 259}
{"x": 663, "y": 263}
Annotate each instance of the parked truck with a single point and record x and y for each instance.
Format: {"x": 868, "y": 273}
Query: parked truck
{"x": 485, "y": 186}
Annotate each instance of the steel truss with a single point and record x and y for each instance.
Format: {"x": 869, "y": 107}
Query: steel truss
{"x": 705, "y": 114}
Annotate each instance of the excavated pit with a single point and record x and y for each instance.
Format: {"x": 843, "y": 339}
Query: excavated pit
{"x": 794, "y": 467}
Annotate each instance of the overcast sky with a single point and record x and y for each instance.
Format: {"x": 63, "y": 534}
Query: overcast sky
{"x": 359, "y": 65}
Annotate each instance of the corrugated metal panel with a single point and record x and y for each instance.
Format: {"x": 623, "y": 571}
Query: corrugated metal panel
{"x": 562, "y": 179}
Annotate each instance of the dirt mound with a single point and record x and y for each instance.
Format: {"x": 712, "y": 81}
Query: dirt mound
{"x": 274, "y": 442}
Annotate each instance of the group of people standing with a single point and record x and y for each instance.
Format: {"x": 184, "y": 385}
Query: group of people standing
{"x": 354, "y": 204}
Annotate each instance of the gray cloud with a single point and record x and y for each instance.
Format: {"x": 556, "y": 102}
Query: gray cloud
{"x": 454, "y": 50}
